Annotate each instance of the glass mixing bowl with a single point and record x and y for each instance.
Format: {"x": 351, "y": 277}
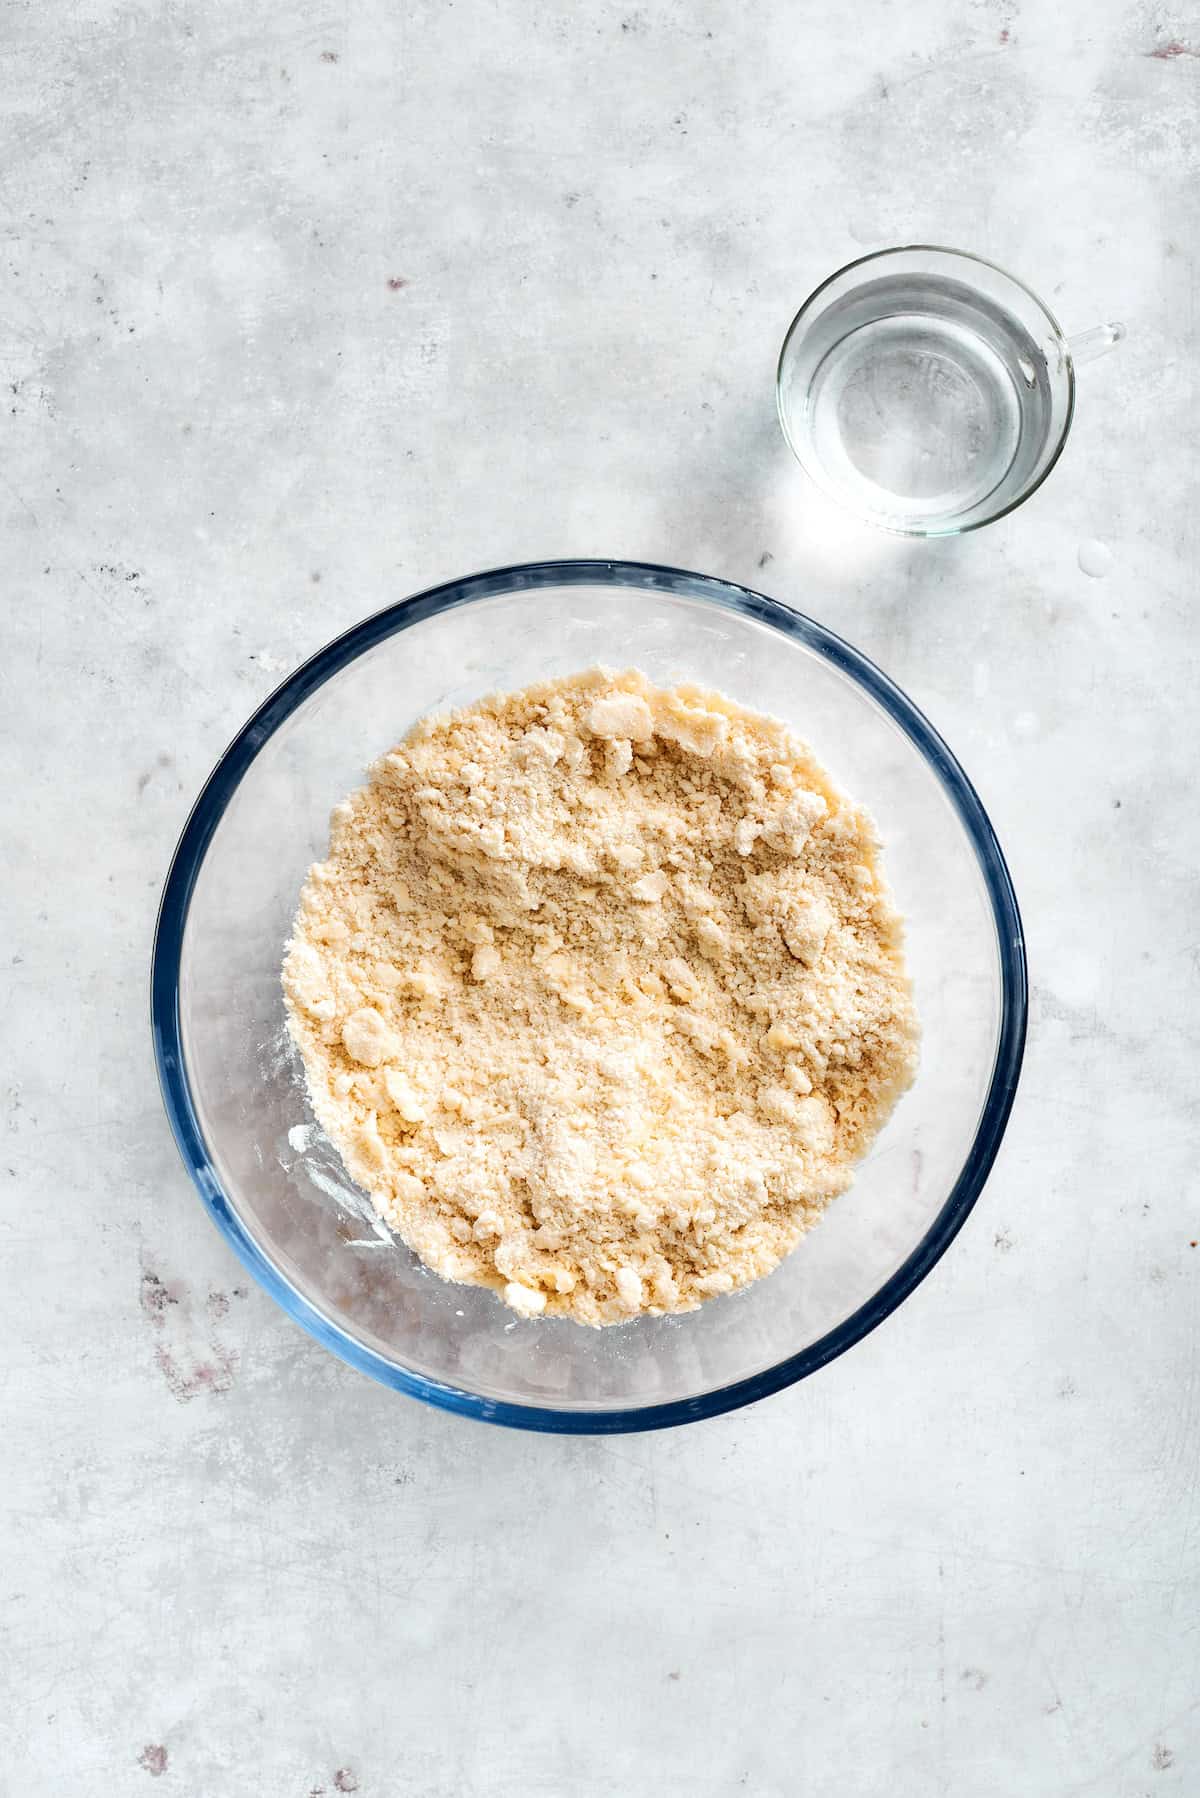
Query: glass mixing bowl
{"x": 236, "y": 1100}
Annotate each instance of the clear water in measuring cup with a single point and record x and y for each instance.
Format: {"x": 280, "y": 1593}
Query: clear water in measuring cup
{"x": 919, "y": 402}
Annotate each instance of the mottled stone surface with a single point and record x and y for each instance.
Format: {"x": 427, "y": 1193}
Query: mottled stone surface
{"x": 308, "y": 306}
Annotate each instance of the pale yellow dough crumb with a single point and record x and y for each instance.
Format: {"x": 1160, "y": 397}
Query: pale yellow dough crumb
{"x": 600, "y": 994}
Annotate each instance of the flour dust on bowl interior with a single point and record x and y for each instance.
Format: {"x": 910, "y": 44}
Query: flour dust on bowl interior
{"x": 237, "y": 1103}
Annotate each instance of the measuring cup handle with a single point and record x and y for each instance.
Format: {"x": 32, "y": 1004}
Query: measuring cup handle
{"x": 1087, "y": 345}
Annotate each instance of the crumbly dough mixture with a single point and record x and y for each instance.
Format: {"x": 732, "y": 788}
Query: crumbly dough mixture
{"x": 600, "y": 994}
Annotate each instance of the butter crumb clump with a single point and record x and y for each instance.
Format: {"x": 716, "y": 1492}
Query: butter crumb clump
{"x": 600, "y": 994}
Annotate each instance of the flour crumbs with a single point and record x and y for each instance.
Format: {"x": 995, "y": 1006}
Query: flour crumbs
{"x": 600, "y": 993}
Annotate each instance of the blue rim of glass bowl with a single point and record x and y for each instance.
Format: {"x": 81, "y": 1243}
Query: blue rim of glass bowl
{"x": 219, "y": 789}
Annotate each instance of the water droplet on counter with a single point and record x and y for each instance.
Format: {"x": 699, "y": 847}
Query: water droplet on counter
{"x": 1095, "y": 558}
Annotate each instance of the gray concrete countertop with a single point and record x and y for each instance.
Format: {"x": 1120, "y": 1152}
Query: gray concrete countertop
{"x": 306, "y": 306}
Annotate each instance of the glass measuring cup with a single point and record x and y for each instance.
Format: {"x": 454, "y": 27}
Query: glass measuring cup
{"x": 927, "y": 390}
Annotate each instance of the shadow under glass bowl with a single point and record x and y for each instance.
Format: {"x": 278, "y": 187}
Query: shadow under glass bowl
{"x": 233, "y": 1094}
